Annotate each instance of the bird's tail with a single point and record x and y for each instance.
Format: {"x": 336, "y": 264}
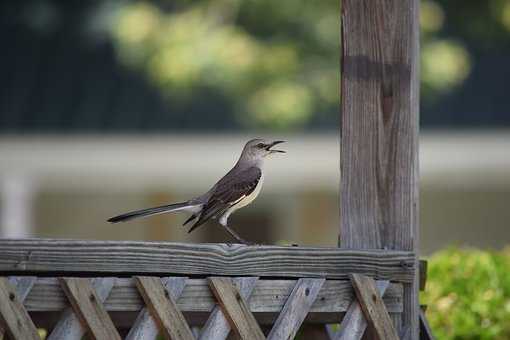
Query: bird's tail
{"x": 151, "y": 211}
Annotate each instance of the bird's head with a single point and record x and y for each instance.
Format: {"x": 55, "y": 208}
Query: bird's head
{"x": 260, "y": 148}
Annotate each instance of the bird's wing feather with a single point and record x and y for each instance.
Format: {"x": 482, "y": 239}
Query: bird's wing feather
{"x": 229, "y": 191}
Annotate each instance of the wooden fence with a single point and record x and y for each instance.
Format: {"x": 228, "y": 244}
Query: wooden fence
{"x": 136, "y": 290}
{"x": 369, "y": 285}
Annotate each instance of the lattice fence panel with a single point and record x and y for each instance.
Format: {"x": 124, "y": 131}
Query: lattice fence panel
{"x": 242, "y": 306}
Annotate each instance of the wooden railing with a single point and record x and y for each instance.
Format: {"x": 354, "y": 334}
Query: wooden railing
{"x": 136, "y": 290}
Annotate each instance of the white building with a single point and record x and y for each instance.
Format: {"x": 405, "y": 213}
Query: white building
{"x": 68, "y": 186}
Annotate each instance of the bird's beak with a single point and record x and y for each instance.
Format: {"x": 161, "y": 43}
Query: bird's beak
{"x": 273, "y": 144}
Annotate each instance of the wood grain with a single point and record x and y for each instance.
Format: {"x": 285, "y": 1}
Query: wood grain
{"x": 145, "y": 327}
{"x": 373, "y": 307}
{"x": 379, "y": 131}
{"x": 269, "y": 296}
{"x": 354, "y": 324}
{"x": 161, "y": 258}
{"x": 22, "y": 285}
{"x": 236, "y": 310}
{"x": 87, "y": 306}
{"x": 295, "y": 309}
{"x": 12, "y": 312}
{"x": 163, "y": 308}
{"x": 217, "y": 326}
{"x": 69, "y": 326}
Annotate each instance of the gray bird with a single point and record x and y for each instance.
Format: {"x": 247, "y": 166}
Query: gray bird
{"x": 238, "y": 188}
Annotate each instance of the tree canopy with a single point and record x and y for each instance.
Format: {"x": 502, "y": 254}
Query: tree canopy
{"x": 278, "y": 61}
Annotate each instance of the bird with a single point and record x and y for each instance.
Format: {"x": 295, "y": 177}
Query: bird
{"x": 238, "y": 188}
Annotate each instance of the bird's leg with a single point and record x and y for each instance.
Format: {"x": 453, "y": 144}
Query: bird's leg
{"x": 235, "y": 235}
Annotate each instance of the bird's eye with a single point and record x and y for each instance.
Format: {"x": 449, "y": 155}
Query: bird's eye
{"x": 260, "y": 145}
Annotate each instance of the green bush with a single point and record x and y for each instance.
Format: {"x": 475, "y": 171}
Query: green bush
{"x": 468, "y": 294}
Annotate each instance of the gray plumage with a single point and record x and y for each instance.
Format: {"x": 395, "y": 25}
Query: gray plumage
{"x": 238, "y": 188}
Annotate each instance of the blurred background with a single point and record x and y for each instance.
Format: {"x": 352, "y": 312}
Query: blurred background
{"x": 109, "y": 106}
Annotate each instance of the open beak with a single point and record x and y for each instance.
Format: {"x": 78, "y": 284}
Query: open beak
{"x": 273, "y": 144}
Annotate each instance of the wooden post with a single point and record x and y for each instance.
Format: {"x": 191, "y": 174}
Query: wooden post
{"x": 379, "y": 131}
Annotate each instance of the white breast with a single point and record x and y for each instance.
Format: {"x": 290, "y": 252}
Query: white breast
{"x": 251, "y": 197}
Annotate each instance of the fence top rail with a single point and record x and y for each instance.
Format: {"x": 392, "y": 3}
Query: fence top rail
{"x": 60, "y": 257}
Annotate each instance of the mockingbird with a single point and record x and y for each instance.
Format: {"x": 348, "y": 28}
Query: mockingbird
{"x": 238, "y": 188}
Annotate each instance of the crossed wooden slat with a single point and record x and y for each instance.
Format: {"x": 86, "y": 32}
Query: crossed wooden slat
{"x": 14, "y": 316}
{"x": 88, "y": 308}
{"x": 296, "y": 308}
{"x": 217, "y": 326}
{"x": 243, "y": 322}
{"x": 354, "y": 324}
{"x": 367, "y": 309}
{"x": 145, "y": 326}
{"x": 69, "y": 326}
{"x": 163, "y": 308}
{"x": 235, "y": 309}
{"x": 88, "y": 315}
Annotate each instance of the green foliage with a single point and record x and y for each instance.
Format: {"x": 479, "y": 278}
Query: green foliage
{"x": 275, "y": 62}
{"x": 468, "y": 294}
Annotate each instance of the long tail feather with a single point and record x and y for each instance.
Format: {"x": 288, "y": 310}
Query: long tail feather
{"x": 149, "y": 212}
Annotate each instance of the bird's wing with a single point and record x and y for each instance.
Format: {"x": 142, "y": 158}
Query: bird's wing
{"x": 229, "y": 191}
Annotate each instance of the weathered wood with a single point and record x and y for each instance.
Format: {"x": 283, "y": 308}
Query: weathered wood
{"x": 379, "y": 154}
{"x": 12, "y": 294}
{"x": 145, "y": 327}
{"x": 354, "y": 324}
{"x": 22, "y": 285}
{"x": 160, "y": 258}
{"x": 234, "y": 307}
{"x": 295, "y": 309}
{"x": 69, "y": 326}
{"x": 163, "y": 308}
{"x": 425, "y": 330}
{"x": 87, "y": 306}
{"x": 379, "y": 131}
{"x": 397, "y": 321}
{"x": 217, "y": 326}
{"x": 373, "y": 307}
{"x": 268, "y": 297}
